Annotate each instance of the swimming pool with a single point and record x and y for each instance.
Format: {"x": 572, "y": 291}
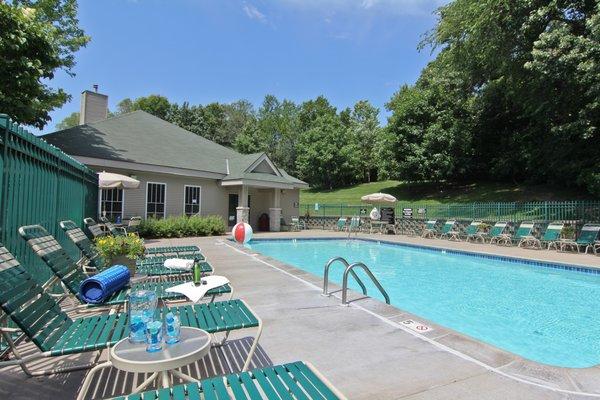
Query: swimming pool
{"x": 544, "y": 314}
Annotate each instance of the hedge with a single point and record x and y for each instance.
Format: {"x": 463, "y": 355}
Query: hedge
{"x": 182, "y": 226}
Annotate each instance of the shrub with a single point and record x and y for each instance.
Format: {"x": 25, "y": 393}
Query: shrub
{"x": 182, "y": 226}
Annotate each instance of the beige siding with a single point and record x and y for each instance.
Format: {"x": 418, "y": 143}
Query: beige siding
{"x": 214, "y": 198}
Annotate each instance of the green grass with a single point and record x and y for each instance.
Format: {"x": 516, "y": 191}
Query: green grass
{"x": 434, "y": 193}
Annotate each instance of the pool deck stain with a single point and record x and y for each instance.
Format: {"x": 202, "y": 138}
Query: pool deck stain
{"x": 362, "y": 349}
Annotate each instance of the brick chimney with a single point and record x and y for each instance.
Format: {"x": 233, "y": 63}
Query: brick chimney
{"x": 94, "y": 106}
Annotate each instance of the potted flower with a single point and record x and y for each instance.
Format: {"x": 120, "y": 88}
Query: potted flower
{"x": 120, "y": 250}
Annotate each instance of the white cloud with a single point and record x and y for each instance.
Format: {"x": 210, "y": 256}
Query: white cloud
{"x": 253, "y": 13}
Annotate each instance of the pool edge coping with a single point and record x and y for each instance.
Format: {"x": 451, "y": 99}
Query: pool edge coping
{"x": 516, "y": 368}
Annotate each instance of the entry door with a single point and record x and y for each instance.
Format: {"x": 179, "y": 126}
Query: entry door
{"x": 231, "y": 214}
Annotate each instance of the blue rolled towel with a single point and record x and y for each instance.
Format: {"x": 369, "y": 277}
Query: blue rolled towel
{"x": 98, "y": 288}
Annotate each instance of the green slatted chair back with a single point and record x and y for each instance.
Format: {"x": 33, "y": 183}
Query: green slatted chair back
{"x": 354, "y": 222}
{"x": 94, "y": 227}
{"x": 448, "y": 226}
{"x": 341, "y": 223}
{"x": 553, "y": 232}
{"x": 51, "y": 252}
{"x": 473, "y": 228}
{"x": 111, "y": 227}
{"x": 26, "y": 303}
{"x": 498, "y": 228}
{"x": 589, "y": 233}
{"x": 525, "y": 229}
{"x": 83, "y": 243}
{"x": 430, "y": 225}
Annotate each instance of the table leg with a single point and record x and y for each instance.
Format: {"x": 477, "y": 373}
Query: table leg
{"x": 183, "y": 376}
{"x": 145, "y": 384}
{"x": 164, "y": 376}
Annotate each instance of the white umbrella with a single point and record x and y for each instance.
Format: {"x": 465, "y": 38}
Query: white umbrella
{"x": 378, "y": 198}
{"x": 109, "y": 180}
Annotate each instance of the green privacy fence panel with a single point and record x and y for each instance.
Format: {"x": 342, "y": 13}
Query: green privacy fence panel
{"x": 584, "y": 211}
{"x": 42, "y": 185}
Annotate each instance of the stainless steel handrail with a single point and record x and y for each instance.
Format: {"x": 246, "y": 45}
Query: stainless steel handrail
{"x": 349, "y": 270}
{"x": 326, "y": 275}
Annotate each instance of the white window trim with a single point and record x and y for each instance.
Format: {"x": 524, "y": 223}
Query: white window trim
{"x": 146, "y": 198}
{"x": 199, "y": 203}
{"x": 100, "y": 203}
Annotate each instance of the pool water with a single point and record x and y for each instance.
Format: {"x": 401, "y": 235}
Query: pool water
{"x": 547, "y": 315}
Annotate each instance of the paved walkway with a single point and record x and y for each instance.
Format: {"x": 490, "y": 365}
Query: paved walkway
{"x": 362, "y": 349}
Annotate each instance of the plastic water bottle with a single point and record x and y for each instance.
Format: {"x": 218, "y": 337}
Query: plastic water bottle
{"x": 197, "y": 272}
{"x": 172, "y": 328}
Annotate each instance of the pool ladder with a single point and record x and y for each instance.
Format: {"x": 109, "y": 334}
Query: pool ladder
{"x": 350, "y": 270}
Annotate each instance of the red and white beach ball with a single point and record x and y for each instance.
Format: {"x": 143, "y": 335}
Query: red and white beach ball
{"x": 242, "y": 232}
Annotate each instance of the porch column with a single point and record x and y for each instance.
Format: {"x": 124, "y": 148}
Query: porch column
{"x": 275, "y": 212}
{"x": 242, "y": 210}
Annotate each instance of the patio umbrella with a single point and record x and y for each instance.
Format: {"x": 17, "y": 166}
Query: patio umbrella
{"x": 109, "y": 180}
{"x": 379, "y": 198}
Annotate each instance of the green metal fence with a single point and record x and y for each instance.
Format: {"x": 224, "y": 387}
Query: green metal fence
{"x": 40, "y": 184}
{"x": 583, "y": 211}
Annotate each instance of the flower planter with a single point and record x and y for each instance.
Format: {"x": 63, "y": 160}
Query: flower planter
{"x": 123, "y": 260}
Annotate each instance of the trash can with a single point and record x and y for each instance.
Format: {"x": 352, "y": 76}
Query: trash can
{"x": 263, "y": 222}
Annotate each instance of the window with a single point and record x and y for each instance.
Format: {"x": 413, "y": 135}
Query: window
{"x": 155, "y": 200}
{"x": 191, "y": 200}
{"x": 111, "y": 203}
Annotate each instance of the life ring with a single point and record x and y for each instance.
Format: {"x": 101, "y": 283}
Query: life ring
{"x": 375, "y": 215}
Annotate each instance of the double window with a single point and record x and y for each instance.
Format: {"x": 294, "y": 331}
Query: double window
{"x": 191, "y": 200}
{"x": 156, "y": 194}
{"x": 111, "y": 203}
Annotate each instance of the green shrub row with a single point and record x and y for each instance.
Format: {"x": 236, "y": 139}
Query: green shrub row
{"x": 182, "y": 226}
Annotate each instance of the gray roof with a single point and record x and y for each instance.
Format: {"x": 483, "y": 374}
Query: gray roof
{"x": 139, "y": 137}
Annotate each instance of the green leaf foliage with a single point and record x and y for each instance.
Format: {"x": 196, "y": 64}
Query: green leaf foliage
{"x": 37, "y": 38}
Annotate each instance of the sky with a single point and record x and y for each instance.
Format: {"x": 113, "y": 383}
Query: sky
{"x": 203, "y": 51}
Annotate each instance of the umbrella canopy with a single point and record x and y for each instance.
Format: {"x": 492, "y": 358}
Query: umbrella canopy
{"x": 378, "y": 198}
{"x": 108, "y": 180}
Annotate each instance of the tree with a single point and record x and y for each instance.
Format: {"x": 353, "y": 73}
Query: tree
{"x": 364, "y": 130}
{"x": 327, "y": 160}
{"x": 68, "y": 122}
{"x": 124, "y": 106}
{"x": 37, "y": 38}
{"x": 154, "y": 104}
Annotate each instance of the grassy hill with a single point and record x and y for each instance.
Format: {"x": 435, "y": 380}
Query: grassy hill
{"x": 433, "y": 193}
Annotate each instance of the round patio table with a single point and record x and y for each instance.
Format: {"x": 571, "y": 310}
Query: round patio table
{"x": 133, "y": 357}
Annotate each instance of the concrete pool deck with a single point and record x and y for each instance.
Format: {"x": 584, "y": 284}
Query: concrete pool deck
{"x": 364, "y": 349}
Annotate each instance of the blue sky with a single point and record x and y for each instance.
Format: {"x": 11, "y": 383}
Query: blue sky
{"x": 223, "y": 50}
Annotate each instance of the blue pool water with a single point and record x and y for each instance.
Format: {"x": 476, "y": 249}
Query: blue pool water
{"x": 547, "y": 315}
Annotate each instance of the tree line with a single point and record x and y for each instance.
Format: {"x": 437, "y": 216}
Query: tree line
{"x": 311, "y": 140}
{"x": 512, "y": 94}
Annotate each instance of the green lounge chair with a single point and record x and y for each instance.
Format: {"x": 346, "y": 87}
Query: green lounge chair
{"x": 495, "y": 232}
{"x": 150, "y": 266}
{"x": 95, "y": 229}
{"x": 447, "y": 229}
{"x": 522, "y": 233}
{"x": 354, "y": 225}
{"x": 114, "y": 230}
{"x": 430, "y": 229}
{"x": 65, "y": 269}
{"x": 341, "y": 224}
{"x": 472, "y": 231}
{"x": 54, "y": 333}
{"x": 296, "y": 380}
{"x": 587, "y": 238}
{"x": 298, "y": 224}
{"x": 551, "y": 236}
